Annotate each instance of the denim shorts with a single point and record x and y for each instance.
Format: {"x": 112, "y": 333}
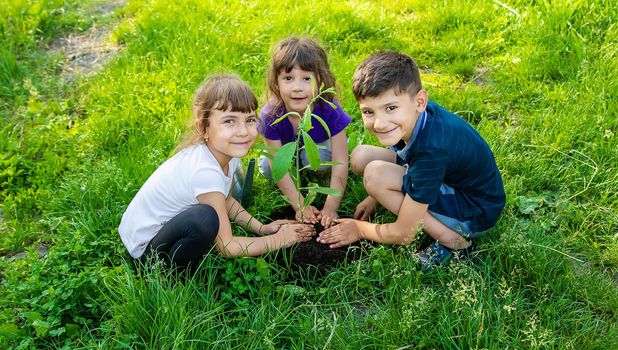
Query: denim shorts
{"x": 448, "y": 214}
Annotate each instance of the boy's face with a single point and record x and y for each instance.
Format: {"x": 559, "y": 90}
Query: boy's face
{"x": 295, "y": 89}
{"x": 391, "y": 117}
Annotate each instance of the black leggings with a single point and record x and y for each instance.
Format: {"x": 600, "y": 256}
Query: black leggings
{"x": 186, "y": 238}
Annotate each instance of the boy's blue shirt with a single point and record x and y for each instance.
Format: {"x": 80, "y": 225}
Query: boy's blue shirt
{"x": 444, "y": 148}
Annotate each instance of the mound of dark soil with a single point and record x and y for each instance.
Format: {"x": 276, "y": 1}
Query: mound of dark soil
{"x": 313, "y": 255}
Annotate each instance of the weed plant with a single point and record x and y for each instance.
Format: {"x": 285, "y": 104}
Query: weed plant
{"x": 539, "y": 80}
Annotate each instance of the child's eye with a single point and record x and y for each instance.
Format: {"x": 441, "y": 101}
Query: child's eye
{"x": 251, "y": 120}
{"x": 367, "y": 113}
{"x": 307, "y": 78}
{"x": 287, "y": 77}
{"x": 228, "y": 121}
{"x": 391, "y": 108}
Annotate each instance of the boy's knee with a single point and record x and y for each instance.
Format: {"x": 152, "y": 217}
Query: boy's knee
{"x": 358, "y": 160}
{"x": 372, "y": 176}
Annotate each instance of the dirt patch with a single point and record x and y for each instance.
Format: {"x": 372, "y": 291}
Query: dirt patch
{"x": 41, "y": 249}
{"x": 480, "y": 75}
{"x": 312, "y": 256}
{"x": 84, "y": 54}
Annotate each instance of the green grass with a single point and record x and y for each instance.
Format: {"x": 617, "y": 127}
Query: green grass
{"x": 538, "y": 79}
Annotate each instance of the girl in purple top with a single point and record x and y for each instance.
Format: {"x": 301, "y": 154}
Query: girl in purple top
{"x": 294, "y": 63}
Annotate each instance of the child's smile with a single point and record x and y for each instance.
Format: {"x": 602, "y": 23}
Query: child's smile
{"x": 295, "y": 89}
{"x": 231, "y": 134}
{"x": 391, "y": 117}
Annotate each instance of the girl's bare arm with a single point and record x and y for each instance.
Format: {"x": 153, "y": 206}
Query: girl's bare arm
{"x": 230, "y": 245}
{"x": 339, "y": 173}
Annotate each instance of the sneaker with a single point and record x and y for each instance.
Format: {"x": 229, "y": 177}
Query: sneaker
{"x": 437, "y": 254}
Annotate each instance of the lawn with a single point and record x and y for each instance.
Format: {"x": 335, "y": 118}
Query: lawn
{"x": 538, "y": 79}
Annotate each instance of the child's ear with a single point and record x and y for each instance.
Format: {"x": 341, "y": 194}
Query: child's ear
{"x": 199, "y": 127}
{"x": 422, "y": 98}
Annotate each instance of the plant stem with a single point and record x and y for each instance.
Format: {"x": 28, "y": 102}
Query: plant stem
{"x": 296, "y": 180}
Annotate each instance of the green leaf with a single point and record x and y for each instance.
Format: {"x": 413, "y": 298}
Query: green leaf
{"x": 330, "y": 163}
{"x": 312, "y": 151}
{"x": 324, "y": 190}
{"x": 265, "y": 148}
{"x": 284, "y": 116}
{"x": 528, "y": 205}
{"x": 323, "y": 123}
{"x": 313, "y": 85}
{"x": 32, "y": 316}
{"x": 58, "y": 331}
{"x": 292, "y": 289}
{"x": 10, "y": 330}
{"x": 41, "y": 327}
{"x": 262, "y": 267}
{"x": 309, "y": 198}
{"x": 266, "y": 151}
{"x": 283, "y": 161}
{"x": 72, "y": 329}
{"x": 330, "y": 90}
{"x": 306, "y": 120}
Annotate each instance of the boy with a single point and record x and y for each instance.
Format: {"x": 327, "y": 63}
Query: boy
{"x": 437, "y": 174}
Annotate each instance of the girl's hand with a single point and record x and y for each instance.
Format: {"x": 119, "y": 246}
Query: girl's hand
{"x": 310, "y": 215}
{"x": 343, "y": 233}
{"x": 327, "y": 217}
{"x": 273, "y": 227}
{"x": 295, "y": 233}
{"x": 365, "y": 208}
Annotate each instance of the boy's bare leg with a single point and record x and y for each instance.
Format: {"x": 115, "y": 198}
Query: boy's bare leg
{"x": 383, "y": 181}
{"x": 360, "y": 157}
{"x": 365, "y": 154}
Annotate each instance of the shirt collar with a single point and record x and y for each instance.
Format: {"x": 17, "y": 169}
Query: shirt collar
{"x": 420, "y": 124}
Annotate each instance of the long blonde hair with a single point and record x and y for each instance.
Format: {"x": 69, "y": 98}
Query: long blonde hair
{"x": 221, "y": 92}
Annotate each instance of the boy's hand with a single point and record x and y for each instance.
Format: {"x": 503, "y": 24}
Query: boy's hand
{"x": 327, "y": 217}
{"x": 310, "y": 215}
{"x": 365, "y": 208}
{"x": 342, "y": 234}
{"x": 273, "y": 227}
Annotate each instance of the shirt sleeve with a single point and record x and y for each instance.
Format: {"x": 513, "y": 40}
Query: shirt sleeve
{"x": 425, "y": 176}
{"x": 339, "y": 119}
{"x": 266, "y": 118}
{"x": 206, "y": 180}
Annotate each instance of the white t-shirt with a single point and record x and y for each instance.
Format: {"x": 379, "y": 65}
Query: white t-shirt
{"x": 171, "y": 189}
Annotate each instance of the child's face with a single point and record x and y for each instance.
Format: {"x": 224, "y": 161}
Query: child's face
{"x": 295, "y": 88}
{"x": 230, "y": 134}
{"x": 391, "y": 117}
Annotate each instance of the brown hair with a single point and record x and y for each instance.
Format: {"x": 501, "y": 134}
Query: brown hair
{"x": 221, "y": 92}
{"x": 385, "y": 70}
{"x": 308, "y": 55}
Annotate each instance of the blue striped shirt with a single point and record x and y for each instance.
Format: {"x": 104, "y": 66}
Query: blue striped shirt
{"x": 444, "y": 148}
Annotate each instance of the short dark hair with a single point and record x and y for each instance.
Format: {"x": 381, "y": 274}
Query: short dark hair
{"x": 385, "y": 70}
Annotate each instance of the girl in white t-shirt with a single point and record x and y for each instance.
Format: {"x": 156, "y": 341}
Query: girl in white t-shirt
{"x": 185, "y": 206}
